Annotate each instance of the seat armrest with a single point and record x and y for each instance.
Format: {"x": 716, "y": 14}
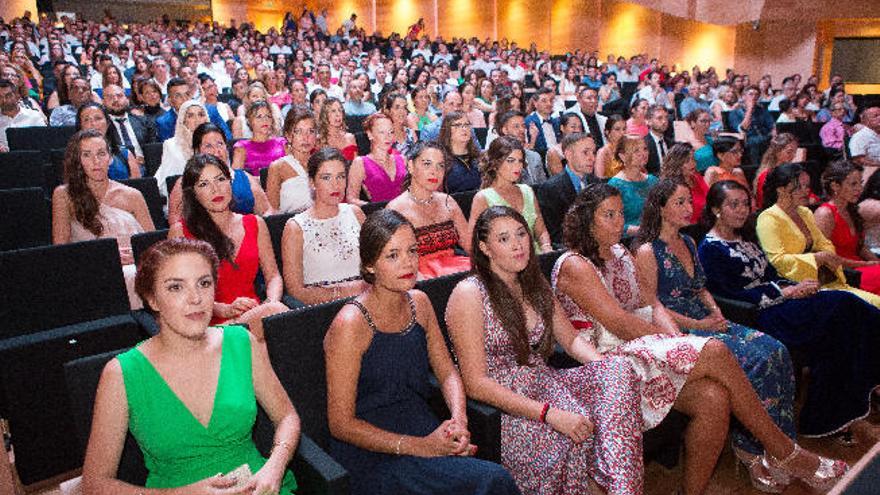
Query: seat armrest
{"x": 484, "y": 423}
{"x": 742, "y": 312}
{"x": 316, "y": 472}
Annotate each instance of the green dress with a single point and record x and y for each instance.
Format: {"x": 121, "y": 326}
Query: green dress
{"x": 528, "y": 212}
{"x": 178, "y": 449}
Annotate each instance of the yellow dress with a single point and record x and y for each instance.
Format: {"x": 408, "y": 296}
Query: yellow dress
{"x": 785, "y": 246}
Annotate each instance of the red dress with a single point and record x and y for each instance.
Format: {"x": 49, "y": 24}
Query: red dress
{"x": 698, "y": 196}
{"x": 234, "y": 281}
{"x": 847, "y": 246}
{"x": 436, "y": 255}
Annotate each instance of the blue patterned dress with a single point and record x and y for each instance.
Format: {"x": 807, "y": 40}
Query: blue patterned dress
{"x": 835, "y": 331}
{"x": 764, "y": 359}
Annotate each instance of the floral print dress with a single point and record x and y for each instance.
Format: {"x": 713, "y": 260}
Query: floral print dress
{"x": 663, "y": 362}
{"x": 764, "y": 359}
{"x": 544, "y": 461}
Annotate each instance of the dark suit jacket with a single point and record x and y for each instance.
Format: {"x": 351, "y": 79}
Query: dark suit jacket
{"x": 144, "y": 129}
{"x": 654, "y": 154}
{"x": 555, "y": 196}
{"x": 540, "y": 142}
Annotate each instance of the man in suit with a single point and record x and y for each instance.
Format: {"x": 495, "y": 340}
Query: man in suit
{"x": 656, "y": 141}
{"x": 539, "y": 123}
{"x": 133, "y": 131}
{"x": 179, "y": 92}
{"x": 558, "y": 192}
{"x": 592, "y": 121}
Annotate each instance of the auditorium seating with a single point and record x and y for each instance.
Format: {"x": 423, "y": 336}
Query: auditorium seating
{"x": 152, "y": 157}
{"x": 58, "y": 303}
{"x": 316, "y": 472}
{"x": 19, "y": 169}
{"x": 25, "y": 219}
{"x": 148, "y": 187}
{"x": 39, "y": 138}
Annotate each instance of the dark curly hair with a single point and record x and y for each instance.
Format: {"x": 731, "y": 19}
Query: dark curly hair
{"x": 781, "y": 176}
{"x": 500, "y": 149}
{"x": 152, "y": 260}
{"x": 195, "y": 216}
{"x": 536, "y": 289}
{"x": 416, "y": 151}
{"x": 652, "y": 219}
{"x": 85, "y": 204}
{"x": 836, "y": 173}
{"x": 375, "y": 234}
{"x": 577, "y": 227}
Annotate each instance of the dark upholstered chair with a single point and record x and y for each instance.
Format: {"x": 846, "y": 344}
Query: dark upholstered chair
{"x": 39, "y": 138}
{"x": 149, "y": 189}
{"x": 25, "y": 220}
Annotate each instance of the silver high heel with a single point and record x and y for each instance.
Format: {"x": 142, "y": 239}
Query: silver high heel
{"x": 826, "y": 475}
{"x": 762, "y": 478}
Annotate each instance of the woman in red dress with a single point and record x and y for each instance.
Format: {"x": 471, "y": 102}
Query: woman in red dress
{"x": 241, "y": 241}
{"x": 439, "y": 223}
{"x": 840, "y": 221}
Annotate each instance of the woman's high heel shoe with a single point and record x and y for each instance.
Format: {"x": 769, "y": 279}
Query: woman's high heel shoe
{"x": 762, "y": 478}
{"x": 826, "y": 475}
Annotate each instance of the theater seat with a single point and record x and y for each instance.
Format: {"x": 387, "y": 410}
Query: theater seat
{"x": 39, "y": 138}
{"x": 149, "y": 189}
{"x": 20, "y": 169}
{"x": 152, "y": 157}
{"x": 315, "y": 471}
{"x": 25, "y": 220}
{"x": 141, "y": 242}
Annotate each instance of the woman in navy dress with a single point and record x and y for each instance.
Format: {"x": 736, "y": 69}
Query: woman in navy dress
{"x": 835, "y": 330}
{"x": 380, "y": 352}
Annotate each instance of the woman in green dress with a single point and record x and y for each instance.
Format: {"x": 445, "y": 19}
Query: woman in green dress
{"x": 189, "y": 395}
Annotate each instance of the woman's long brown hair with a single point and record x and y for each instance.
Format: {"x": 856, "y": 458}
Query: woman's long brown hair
{"x": 85, "y": 205}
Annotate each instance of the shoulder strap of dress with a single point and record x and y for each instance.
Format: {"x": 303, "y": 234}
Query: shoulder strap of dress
{"x": 363, "y": 309}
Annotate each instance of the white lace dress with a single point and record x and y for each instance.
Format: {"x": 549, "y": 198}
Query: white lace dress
{"x": 330, "y": 247}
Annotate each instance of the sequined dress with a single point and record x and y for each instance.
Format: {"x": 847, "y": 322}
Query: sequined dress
{"x": 436, "y": 255}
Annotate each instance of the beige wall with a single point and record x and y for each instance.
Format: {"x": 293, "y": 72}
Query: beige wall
{"x": 10, "y": 9}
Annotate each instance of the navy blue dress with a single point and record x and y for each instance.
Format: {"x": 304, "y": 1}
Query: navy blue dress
{"x": 392, "y": 394}
{"x": 837, "y": 331}
{"x": 764, "y": 359}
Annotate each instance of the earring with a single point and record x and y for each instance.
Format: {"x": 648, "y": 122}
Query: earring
{"x": 718, "y": 215}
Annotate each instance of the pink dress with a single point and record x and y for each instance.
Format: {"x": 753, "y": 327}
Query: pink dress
{"x": 544, "y": 461}
{"x": 261, "y": 155}
{"x": 662, "y": 362}
{"x": 847, "y": 245}
{"x": 379, "y": 186}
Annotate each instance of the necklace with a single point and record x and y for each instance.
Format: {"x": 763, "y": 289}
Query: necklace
{"x": 427, "y": 201}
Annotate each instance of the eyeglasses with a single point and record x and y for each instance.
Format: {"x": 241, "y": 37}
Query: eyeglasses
{"x": 461, "y": 125}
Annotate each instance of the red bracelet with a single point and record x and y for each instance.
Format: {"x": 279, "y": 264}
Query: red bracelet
{"x": 544, "y": 410}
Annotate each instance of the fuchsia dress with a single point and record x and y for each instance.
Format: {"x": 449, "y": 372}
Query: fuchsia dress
{"x": 376, "y": 181}
{"x": 261, "y": 155}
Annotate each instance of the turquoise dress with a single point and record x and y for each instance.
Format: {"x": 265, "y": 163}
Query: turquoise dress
{"x": 633, "y": 195}
{"x": 704, "y": 156}
{"x": 764, "y": 359}
{"x": 178, "y": 449}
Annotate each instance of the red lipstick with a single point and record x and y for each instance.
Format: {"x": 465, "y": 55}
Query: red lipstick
{"x": 407, "y": 276}
{"x": 217, "y": 199}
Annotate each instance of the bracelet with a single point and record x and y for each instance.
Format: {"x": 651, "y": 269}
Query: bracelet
{"x": 399, "y": 441}
{"x": 544, "y": 411}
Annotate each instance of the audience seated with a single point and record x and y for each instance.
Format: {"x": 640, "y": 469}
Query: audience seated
{"x": 632, "y": 180}
{"x": 332, "y": 131}
{"x": 755, "y": 122}
{"x": 242, "y": 244}
{"x": 437, "y": 220}
{"x": 380, "y": 173}
{"x": 656, "y": 141}
{"x": 179, "y": 93}
{"x": 864, "y": 147}
{"x": 380, "y": 351}
{"x": 420, "y": 115}
{"x": 592, "y": 122}
{"x": 512, "y": 124}
{"x": 90, "y": 205}
{"x": 607, "y": 164}
{"x": 287, "y": 183}
{"x": 670, "y": 273}
{"x": 503, "y": 321}
{"x": 835, "y": 329}
{"x": 255, "y": 92}
{"x": 160, "y": 387}
{"x": 264, "y": 146}
{"x": 539, "y": 126}
{"x": 728, "y": 153}
{"x": 637, "y": 124}
{"x": 501, "y": 168}
{"x": 320, "y": 244}
{"x": 12, "y": 114}
{"x": 132, "y": 131}
{"x": 124, "y": 163}
{"x": 679, "y": 165}
{"x": 79, "y": 93}
{"x": 788, "y": 233}
{"x": 840, "y": 222}
{"x": 394, "y": 106}
{"x": 869, "y": 209}
{"x": 247, "y": 195}
{"x": 569, "y": 123}
{"x": 463, "y": 172}
{"x": 151, "y": 106}
{"x": 177, "y": 150}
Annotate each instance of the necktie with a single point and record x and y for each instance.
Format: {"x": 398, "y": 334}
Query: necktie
{"x": 662, "y": 144}
{"x": 123, "y": 131}
{"x": 595, "y": 132}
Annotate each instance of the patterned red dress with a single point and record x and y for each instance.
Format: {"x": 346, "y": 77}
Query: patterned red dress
{"x": 234, "y": 281}
{"x": 662, "y": 362}
{"x": 544, "y": 461}
{"x": 846, "y": 243}
{"x": 436, "y": 255}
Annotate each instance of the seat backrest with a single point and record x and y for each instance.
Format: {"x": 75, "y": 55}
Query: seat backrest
{"x": 464, "y": 200}
{"x": 39, "y": 138}
{"x": 547, "y": 260}
{"x": 149, "y": 189}
{"x": 275, "y": 224}
{"x": 152, "y": 157}
{"x": 82, "y": 377}
{"x": 295, "y": 341}
{"x": 374, "y": 206}
{"x": 25, "y": 220}
{"x": 16, "y": 175}
{"x": 141, "y": 242}
{"x": 52, "y": 286}
{"x": 170, "y": 181}
{"x": 438, "y": 291}
{"x": 25, "y": 158}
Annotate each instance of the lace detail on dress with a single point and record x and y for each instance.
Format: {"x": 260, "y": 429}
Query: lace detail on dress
{"x": 436, "y": 237}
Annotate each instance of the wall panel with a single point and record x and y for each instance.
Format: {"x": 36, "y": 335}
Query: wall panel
{"x": 466, "y": 18}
